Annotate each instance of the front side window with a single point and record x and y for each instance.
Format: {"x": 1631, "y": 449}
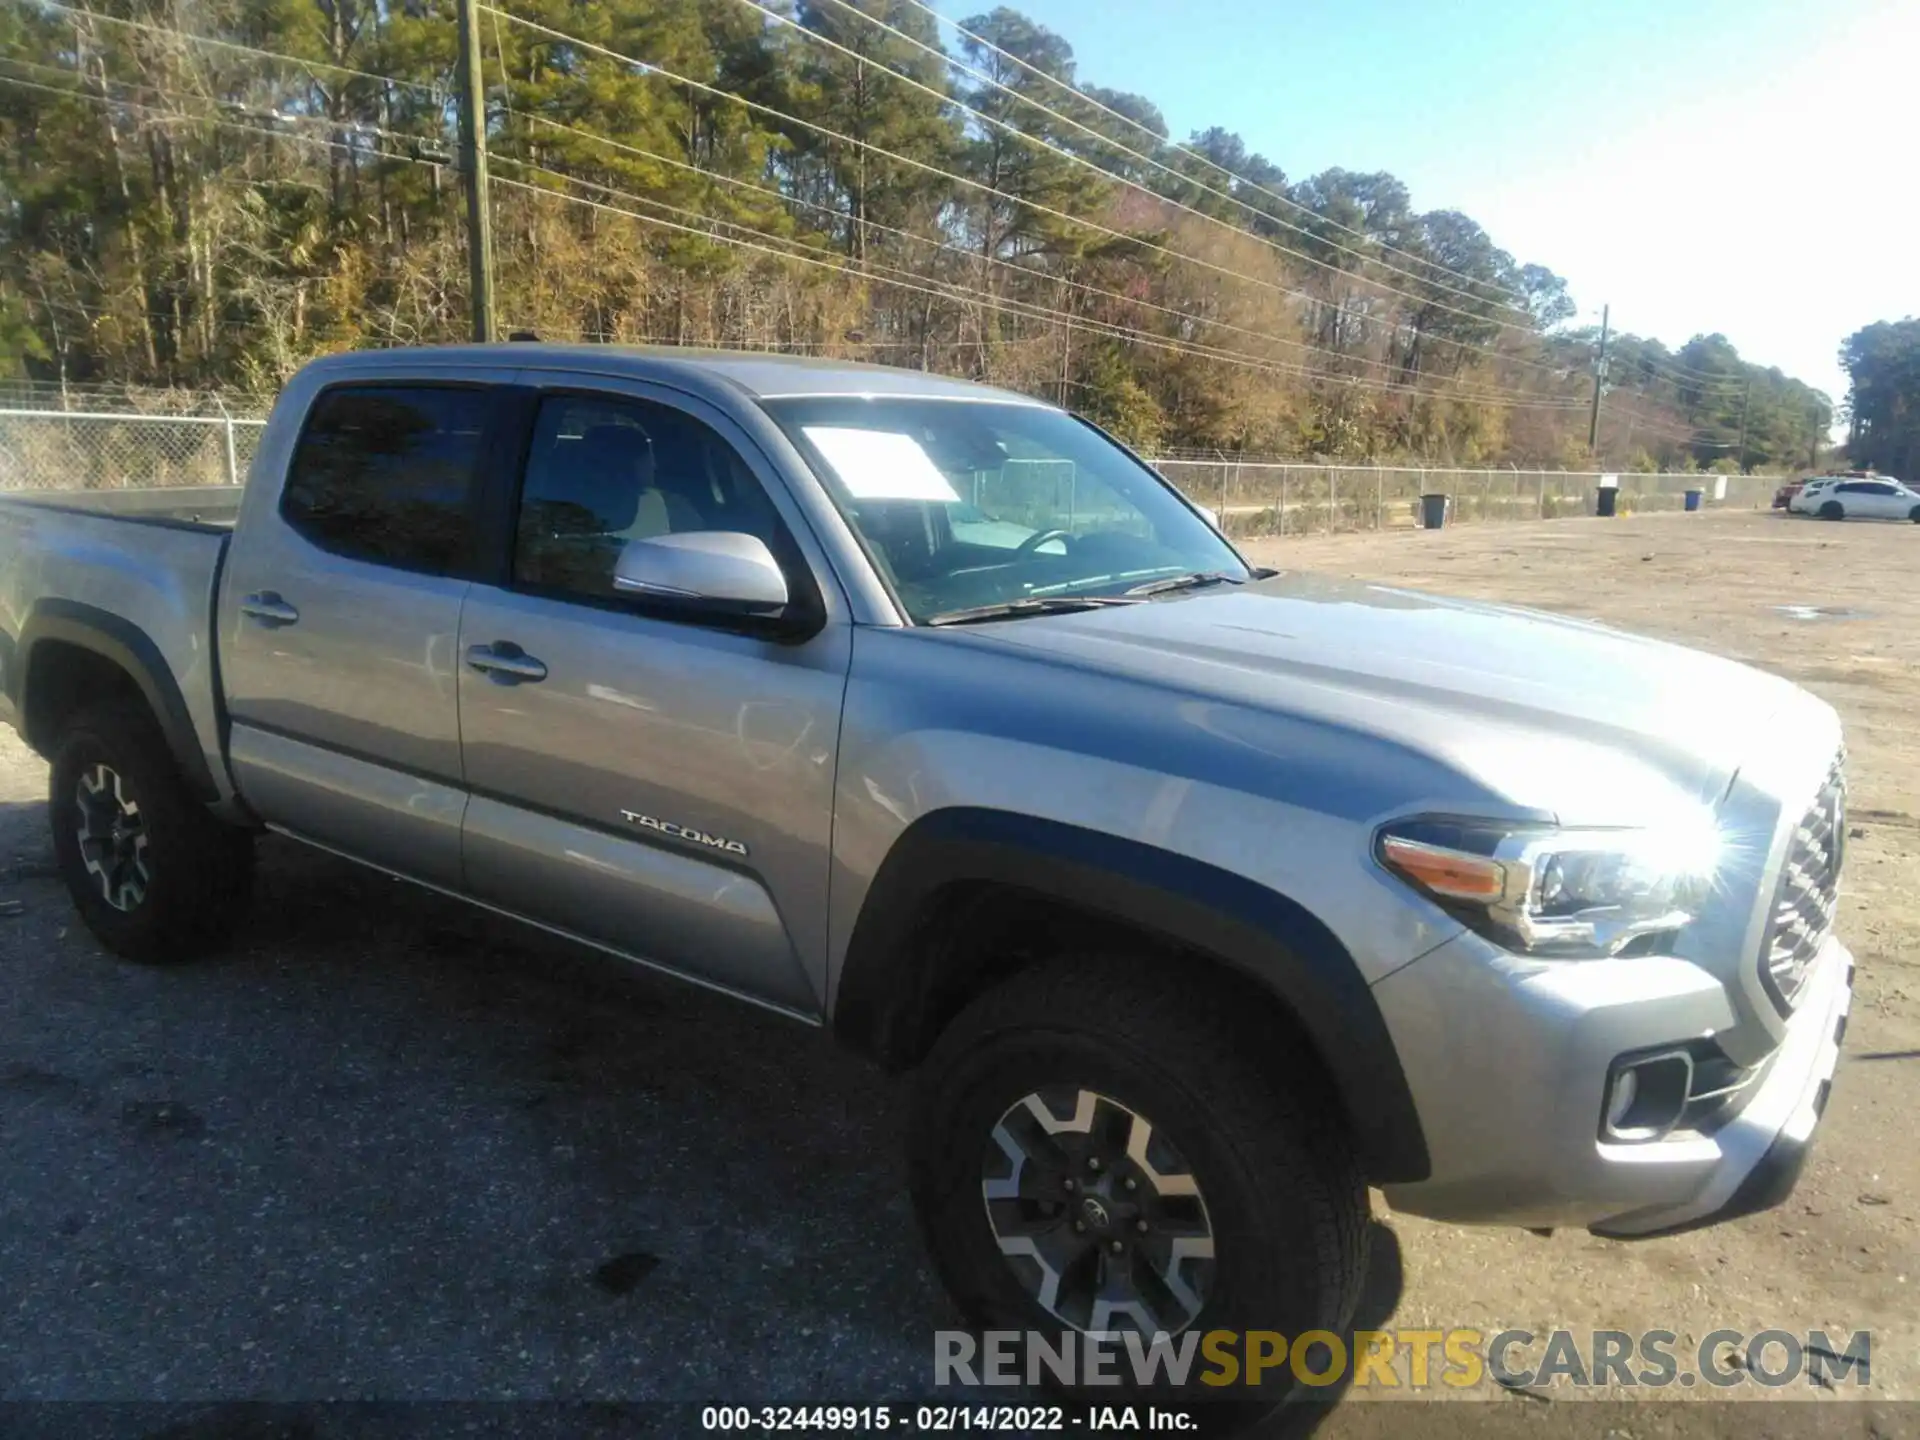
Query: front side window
{"x": 387, "y": 474}
{"x": 965, "y": 504}
{"x": 605, "y": 470}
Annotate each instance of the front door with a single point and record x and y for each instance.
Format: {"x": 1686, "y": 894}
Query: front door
{"x": 651, "y": 784}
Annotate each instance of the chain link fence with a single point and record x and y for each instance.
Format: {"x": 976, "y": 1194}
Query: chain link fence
{"x": 1271, "y": 498}
{"x": 93, "y": 450}
{"x": 42, "y": 449}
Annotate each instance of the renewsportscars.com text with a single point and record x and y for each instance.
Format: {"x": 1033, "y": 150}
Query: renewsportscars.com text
{"x": 1458, "y": 1359}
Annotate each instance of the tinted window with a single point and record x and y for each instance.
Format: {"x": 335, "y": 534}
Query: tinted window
{"x": 387, "y": 474}
{"x": 1856, "y": 488}
{"x": 603, "y": 471}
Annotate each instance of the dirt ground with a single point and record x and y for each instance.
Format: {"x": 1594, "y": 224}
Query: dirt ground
{"x": 392, "y": 1148}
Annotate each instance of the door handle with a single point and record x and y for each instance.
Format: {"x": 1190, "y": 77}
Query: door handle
{"x": 505, "y": 663}
{"x": 269, "y": 609}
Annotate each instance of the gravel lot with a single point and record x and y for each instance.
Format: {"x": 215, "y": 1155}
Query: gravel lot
{"x": 392, "y": 1149}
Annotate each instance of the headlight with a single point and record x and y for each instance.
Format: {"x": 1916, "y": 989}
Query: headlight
{"x": 1551, "y": 892}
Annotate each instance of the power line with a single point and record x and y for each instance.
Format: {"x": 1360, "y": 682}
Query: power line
{"x": 1029, "y": 309}
{"x": 1488, "y": 395}
{"x": 356, "y": 127}
{"x": 1067, "y": 155}
{"x": 215, "y": 42}
{"x": 1211, "y": 164}
{"x": 947, "y": 291}
{"x": 648, "y": 68}
{"x": 1018, "y": 308}
{"x": 972, "y": 256}
{"x": 925, "y": 284}
{"x": 1504, "y": 300}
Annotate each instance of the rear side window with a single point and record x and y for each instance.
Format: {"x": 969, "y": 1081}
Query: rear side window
{"x": 387, "y": 474}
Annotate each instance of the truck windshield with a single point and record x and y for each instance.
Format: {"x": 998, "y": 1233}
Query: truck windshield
{"x": 966, "y": 504}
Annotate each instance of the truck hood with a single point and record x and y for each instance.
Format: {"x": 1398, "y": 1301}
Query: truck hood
{"x": 1568, "y": 718}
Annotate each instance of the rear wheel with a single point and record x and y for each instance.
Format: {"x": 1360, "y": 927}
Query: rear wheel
{"x": 1832, "y": 511}
{"x": 154, "y": 876}
{"x": 1096, "y": 1150}
{"x": 1914, "y": 514}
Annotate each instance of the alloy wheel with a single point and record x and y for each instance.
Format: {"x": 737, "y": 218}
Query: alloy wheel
{"x": 113, "y": 837}
{"x": 1097, "y": 1212}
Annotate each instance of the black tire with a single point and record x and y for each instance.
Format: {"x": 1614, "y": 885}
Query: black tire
{"x": 1914, "y": 515}
{"x": 195, "y": 873}
{"x": 1262, "y": 1137}
{"x": 1832, "y": 511}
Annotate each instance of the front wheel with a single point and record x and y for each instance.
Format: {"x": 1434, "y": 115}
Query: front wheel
{"x": 1832, "y": 511}
{"x": 1095, "y": 1150}
{"x": 1914, "y": 515}
{"x": 154, "y": 876}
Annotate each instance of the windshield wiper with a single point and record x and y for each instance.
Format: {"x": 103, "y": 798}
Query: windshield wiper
{"x": 1184, "y": 582}
{"x": 1032, "y": 605}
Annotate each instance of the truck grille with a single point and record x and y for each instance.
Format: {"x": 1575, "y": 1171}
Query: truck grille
{"x": 1803, "y": 903}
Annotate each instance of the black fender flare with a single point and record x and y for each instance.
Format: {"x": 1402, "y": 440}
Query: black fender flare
{"x": 130, "y": 649}
{"x": 880, "y": 1002}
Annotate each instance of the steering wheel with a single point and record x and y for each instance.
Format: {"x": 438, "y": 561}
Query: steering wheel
{"x": 1040, "y": 537}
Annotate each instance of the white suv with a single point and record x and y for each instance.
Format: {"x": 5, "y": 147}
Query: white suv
{"x": 1882, "y": 498}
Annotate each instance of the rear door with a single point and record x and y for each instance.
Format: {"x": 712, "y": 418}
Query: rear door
{"x": 654, "y": 784}
{"x": 340, "y": 616}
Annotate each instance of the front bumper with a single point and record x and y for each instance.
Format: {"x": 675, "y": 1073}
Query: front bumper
{"x": 1508, "y": 1060}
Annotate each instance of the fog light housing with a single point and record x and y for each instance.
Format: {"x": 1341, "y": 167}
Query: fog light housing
{"x": 1626, "y": 1089}
{"x": 1645, "y": 1096}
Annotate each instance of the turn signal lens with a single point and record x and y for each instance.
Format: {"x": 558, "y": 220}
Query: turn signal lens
{"x": 1450, "y": 873}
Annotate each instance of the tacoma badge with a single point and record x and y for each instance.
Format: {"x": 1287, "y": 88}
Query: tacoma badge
{"x": 684, "y": 832}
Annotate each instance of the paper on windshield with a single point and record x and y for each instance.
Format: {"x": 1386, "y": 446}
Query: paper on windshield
{"x": 880, "y": 465}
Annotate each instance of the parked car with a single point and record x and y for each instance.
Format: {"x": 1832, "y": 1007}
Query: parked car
{"x": 1783, "y": 495}
{"x": 1196, "y": 897}
{"x": 1879, "y": 498}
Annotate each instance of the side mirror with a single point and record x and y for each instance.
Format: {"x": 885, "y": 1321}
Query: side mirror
{"x": 714, "y": 572}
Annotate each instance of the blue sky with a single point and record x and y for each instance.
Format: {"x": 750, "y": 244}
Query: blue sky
{"x": 1751, "y": 168}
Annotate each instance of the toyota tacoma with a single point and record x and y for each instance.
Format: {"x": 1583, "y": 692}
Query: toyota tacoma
{"x": 1195, "y": 897}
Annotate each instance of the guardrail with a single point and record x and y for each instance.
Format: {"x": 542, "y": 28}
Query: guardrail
{"x": 68, "y": 450}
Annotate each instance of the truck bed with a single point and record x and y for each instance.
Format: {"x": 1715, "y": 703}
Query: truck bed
{"x": 129, "y": 573}
{"x": 199, "y": 507}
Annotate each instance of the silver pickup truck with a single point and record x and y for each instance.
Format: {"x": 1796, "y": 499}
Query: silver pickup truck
{"x": 1197, "y": 897}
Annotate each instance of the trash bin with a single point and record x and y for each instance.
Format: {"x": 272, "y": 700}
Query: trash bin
{"x": 1433, "y": 511}
{"x": 1693, "y": 498}
{"x": 1606, "y": 500}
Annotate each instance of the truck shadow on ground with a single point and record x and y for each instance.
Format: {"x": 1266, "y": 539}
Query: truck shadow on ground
{"x": 529, "y": 1169}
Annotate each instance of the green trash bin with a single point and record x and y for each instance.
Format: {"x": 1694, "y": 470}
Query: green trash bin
{"x": 1606, "y": 500}
{"x": 1433, "y": 511}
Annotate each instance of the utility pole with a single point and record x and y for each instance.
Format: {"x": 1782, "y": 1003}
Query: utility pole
{"x": 1813, "y": 442}
{"x": 1745, "y": 400}
{"x": 1599, "y": 380}
{"x": 473, "y": 171}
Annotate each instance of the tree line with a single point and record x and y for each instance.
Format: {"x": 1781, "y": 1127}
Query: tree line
{"x": 1883, "y": 366}
{"x": 206, "y": 193}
